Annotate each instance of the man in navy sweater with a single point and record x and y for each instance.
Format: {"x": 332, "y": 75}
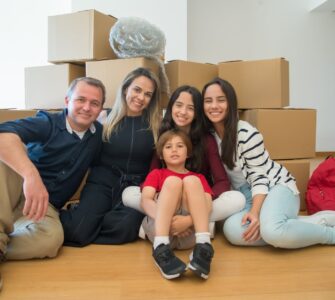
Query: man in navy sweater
{"x": 43, "y": 160}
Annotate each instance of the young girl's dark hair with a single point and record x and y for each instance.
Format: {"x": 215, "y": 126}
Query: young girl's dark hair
{"x": 197, "y": 129}
{"x": 228, "y": 145}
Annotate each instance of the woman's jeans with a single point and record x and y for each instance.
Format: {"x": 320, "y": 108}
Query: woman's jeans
{"x": 279, "y": 225}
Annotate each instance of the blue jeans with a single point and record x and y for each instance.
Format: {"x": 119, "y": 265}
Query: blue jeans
{"x": 279, "y": 225}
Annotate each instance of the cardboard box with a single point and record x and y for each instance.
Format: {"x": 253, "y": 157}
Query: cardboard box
{"x": 181, "y": 72}
{"x": 112, "y": 73}
{"x": 259, "y": 83}
{"x": 13, "y": 114}
{"x": 46, "y": 86}
{"x": 299, "y": 168}
{"x": 288, "y": 133}
{"x": 79, "y": 37}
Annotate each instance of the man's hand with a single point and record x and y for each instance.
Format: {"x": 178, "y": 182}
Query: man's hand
{"x": 37, "y": 198}
{"x": 13, "y": 153}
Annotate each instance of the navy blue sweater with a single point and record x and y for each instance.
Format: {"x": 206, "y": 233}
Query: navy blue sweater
{"x": 61, "y": 158}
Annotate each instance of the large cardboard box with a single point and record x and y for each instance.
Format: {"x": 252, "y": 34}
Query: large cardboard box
{"x": 46, "y": 86}
{"x": 112, "y": 73}
{"x": 79, "y": 37}
{"x": 288, "y": 133}
{"x": 259, "y": 83}
{"x": 300, "y": 169}
{"x": 13, "y": 114}
{"x": 180, "y": 72}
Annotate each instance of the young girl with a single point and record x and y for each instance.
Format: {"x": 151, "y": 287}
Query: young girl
{"x": 172, "y": 191}
{"x": 271, "y": 212}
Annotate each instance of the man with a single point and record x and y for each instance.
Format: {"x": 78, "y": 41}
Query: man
{"x": 42, "y": 163}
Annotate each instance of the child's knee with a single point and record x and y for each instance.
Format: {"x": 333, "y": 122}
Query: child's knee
{"x": 191, "y": 180}
{"x": 173, "y": 182}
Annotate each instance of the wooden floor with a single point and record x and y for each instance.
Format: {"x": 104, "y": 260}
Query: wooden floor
{"x": 128, "y": 272}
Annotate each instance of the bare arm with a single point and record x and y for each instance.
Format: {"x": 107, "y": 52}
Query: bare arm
{"x": 13, "y": 154}
{"x": 148, "y": 202}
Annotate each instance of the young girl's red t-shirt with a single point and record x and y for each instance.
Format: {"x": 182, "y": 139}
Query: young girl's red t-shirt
{"x": 157, "y": 177}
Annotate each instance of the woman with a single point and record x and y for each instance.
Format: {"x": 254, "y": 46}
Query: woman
{"x": 129, "y": 135}
{"x": 270, "y": 215}
{"x": 184, "y": 111}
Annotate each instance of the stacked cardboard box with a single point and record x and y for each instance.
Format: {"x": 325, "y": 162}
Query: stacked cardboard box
{"x": 79, "y": 44}
{"x": 81, "y": 39}
{"x": 112, "y": 72}
{"x": 45, "y": 86}
{"x": 73, "y": 39}
{"x": 262, "y": 89}
{"x": 13, "y": 114}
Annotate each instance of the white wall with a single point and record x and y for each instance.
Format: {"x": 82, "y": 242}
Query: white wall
{"x": 169, "y": 15}
{"x": 198, "y": 30}
{"x": 220, "y": 30}
{"x": 23, "y": 36}
{"x": 24, "y": 27}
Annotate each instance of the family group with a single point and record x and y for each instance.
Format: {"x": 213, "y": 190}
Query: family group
{"x": 169, "y": 177}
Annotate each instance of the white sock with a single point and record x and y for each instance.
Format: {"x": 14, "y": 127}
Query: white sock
{"x": 202, "y": 237}
{"x": 161, "y": 240}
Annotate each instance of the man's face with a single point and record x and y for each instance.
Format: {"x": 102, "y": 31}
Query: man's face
{"x": 84, "y": 106}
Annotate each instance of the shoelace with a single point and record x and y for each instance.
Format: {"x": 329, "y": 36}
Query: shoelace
{"x": 206, "y": 254}
{"x": 165, "y": 256}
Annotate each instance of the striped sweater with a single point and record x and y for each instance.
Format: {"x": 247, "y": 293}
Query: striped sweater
{"x": 261, "y": 172}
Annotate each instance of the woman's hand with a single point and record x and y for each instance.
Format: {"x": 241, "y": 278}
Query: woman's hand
{"x": 252, "y": 232}
{"x": 251, "y": 219}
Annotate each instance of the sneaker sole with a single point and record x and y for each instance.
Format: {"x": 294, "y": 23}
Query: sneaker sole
{"x": 197, "y": 271}
{"x": 171, "y": 276}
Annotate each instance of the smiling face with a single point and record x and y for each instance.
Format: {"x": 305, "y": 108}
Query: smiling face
{"x": 215, "y": 104}
{"x": 183, "y": 111}
{"x": 138, "y": 95}
{"x": 84, "y": 106}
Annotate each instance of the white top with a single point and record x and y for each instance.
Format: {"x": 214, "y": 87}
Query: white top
{"x": 235, "y": 175}
{"x": 254, "y": 163}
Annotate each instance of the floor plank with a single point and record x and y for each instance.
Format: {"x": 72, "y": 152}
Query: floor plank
{"x": 128, "y": 272}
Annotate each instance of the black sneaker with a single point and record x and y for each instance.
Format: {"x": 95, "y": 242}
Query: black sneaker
{"x": 201, "y": 259}
{"x": 169, "y": 265}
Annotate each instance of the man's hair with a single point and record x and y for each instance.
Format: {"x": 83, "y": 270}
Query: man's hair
{"x": 90, "y": 81}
